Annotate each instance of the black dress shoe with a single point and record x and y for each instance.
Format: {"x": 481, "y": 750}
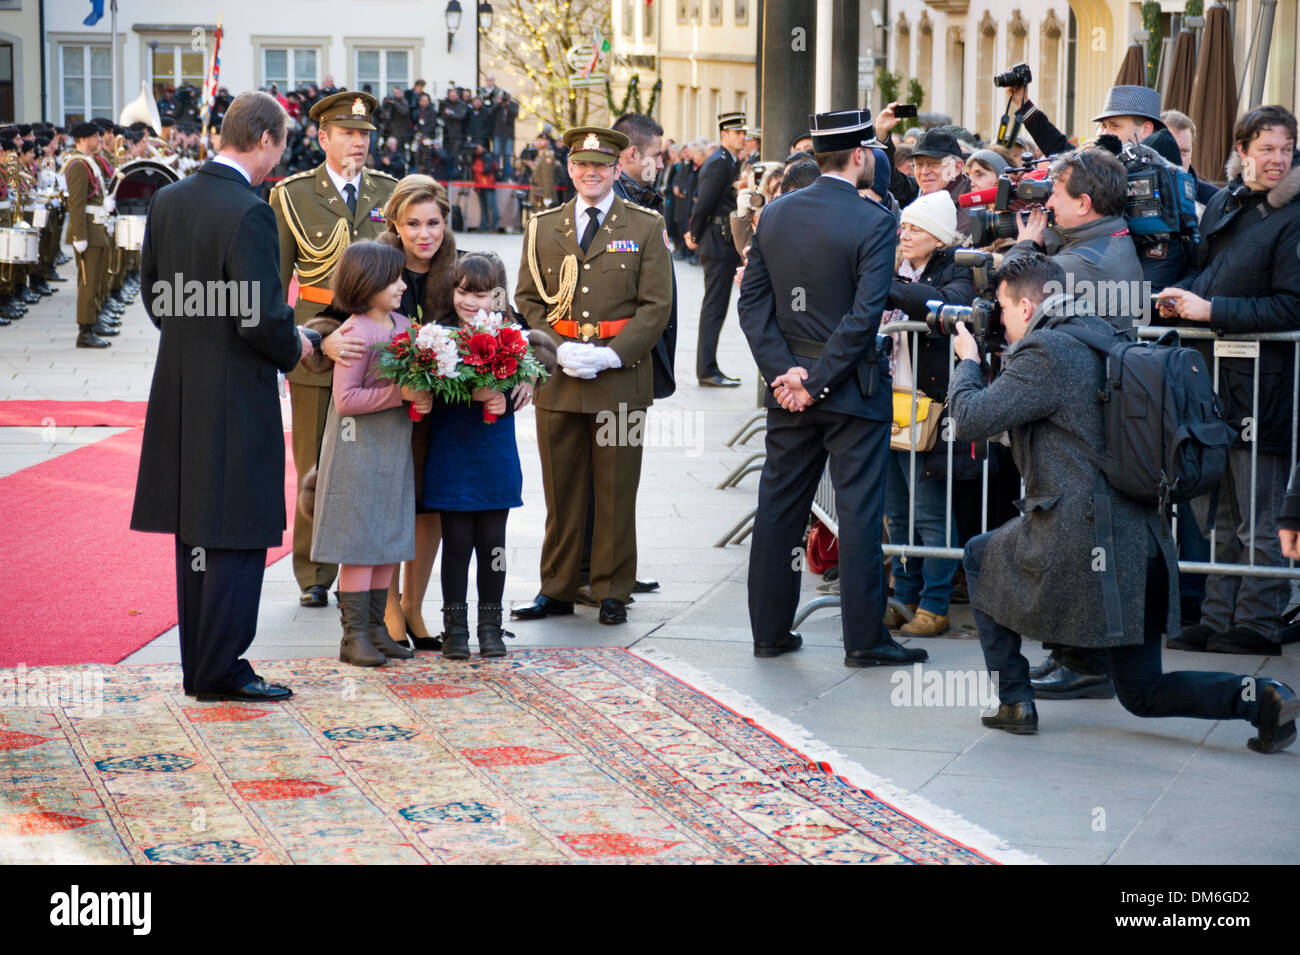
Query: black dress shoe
{"x": 791, "y": 643}
{"x": 256, "y": 690}
{"x": 613, "y": 611}
{"x": 644, "y": 587}
{"x": 30, "y": 295}
{"x": 588, "y": 599}
{"x": 1194, "y": 637}
{"x": 88, "y": 339}
{"x": 1278, "y": 709}
{"x": 1065, "y": 684}
{"x": 317, "y": 595}
{"x": 42, "y": 288}
{"x": 105, "y": 331}
{"x": 1042, "y": 669}
{"x": 719, "y": 381}
{"x": 889, "y": 653}
{"x": 53, "y": 276}
{"x": 542, "y": 606}
{"x": 1244, "y": 640}
{"x": 1018, "y": 718}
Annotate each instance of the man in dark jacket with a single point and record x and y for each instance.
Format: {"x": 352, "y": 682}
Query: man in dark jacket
{"x": 1247, "y": 281}
{"x": 1044, "y": 575}
{"x": 452, "y": 113}
{"x": 937, "y": 162}
{"x": 212, "y": 462}
{"x": 828, "y": 392}
{"x": 396, "y": 114}
{"x": 710, "y": 234}
{"x": 503, "y": 131}
{"x": 478, "y": 123}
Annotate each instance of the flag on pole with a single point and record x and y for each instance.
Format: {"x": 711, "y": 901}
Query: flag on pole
{"x": 212, "y": 81}
{"x": 96, "y": 13}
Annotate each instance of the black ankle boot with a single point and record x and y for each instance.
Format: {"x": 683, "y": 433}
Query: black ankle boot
{"x": 455, "y": 631}
{"x": 490, "y": 633}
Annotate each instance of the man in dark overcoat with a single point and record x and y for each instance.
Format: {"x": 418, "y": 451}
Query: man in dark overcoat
{"x": 212, "y": 464}
{"x": 1055, "y": 571}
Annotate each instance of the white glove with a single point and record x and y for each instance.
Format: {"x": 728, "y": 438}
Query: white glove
{"x": 110, "y": 205}
{"x": 586, "y": 360}
{"x": 80, "y": 245}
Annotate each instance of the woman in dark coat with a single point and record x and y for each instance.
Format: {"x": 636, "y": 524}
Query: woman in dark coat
{"x": 926, "y": 271}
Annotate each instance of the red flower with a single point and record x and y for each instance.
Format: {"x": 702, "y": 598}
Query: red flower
{"x": 512, "y": 342}
{"x": 503, "y": 366}
{"x": 482, "y": 350}
{"x": 402, "y": 337}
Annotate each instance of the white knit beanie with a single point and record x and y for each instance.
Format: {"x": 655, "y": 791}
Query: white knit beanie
{"x": 936, "y": 214}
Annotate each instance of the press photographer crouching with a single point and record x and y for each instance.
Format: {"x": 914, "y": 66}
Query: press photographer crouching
{"x": 1043, "y": 575}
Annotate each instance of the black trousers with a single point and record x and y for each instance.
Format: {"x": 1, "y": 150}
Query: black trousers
{"x": 798, "y": 444}
{"x": 217, "y": 593}
{"x": 719, "y": 277}
{"x": 1141, "y": 685}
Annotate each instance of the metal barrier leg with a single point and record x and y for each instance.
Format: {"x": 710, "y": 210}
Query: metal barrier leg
{"x": 756, "y": 416}
{"x": 745, "y": 524}
{"x": 748, "y": 466}
{"x": 751, "y": 431}
{"x": 817, "y": 603}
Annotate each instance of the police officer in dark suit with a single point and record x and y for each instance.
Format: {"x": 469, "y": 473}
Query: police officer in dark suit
{"x": 819, "y": 272}
{"x": 710, "y": 234}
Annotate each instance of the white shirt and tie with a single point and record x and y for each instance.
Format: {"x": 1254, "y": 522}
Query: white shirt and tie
{"x": 343, "y": 185}
{"x": 583, "y": 218}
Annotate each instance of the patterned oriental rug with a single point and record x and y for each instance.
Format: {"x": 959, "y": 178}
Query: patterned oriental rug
{"x": 547, "y": 756}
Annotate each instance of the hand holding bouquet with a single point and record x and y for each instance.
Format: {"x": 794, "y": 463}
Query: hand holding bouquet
{"x": 429, "y": 362}
{"x": 495, "y": 354}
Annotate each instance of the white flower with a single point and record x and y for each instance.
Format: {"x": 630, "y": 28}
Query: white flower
{"x": 432, "y": 335}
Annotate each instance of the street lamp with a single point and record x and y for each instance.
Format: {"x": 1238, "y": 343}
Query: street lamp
{"x": 453, "y": 20}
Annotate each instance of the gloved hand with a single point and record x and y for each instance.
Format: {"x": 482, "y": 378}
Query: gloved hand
{"x": 110, "y": 205}
{"x": 586, "y": 360}
{"x": 80, "y": 245}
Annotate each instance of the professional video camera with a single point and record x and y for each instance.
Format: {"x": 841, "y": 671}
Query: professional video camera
{"x": 1160, "y": 201}
{"x": 1000, "y": 222}
{"x": 983, "y": 317}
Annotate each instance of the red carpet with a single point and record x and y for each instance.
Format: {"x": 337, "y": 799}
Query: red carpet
{"x": 79, "y": 585}
{"x": 72, "y": 414}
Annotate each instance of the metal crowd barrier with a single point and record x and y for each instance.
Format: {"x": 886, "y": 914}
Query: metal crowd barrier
{"x": 1237, "y": 346}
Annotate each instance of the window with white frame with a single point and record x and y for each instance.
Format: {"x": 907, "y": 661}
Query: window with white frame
{"x": 290, "y": 68}
{"x": 85, "y": 73}
{"x": 382, "y": 70}
{"x": 174, "y": 65}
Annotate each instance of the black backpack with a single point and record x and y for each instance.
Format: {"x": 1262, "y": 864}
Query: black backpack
{"x": 1166, "y": 437}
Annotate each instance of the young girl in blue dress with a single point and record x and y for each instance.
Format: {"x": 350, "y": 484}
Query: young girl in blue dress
{"x": 472, "y": 476}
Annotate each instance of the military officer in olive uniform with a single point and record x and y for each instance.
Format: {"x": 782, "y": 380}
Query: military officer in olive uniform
{"x": 318, "y": 213}
{"x": 86, "y": 233}
{"x": 595, "y": 277}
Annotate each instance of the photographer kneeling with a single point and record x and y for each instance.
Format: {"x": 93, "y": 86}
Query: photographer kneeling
{"x": 1040, "y": 575}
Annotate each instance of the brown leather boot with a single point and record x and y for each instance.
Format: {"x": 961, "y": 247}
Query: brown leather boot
{"x": 379, "y": 631}
{"x": 356, "y": 648}
{"x": 925, "y": 624}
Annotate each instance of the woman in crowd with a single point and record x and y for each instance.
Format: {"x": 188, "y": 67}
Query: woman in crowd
{"x": 925, "y": 271}
{"x": 474, "y": 478}
{"x": 365, "y": 515}
{"x": 418, "y": 215}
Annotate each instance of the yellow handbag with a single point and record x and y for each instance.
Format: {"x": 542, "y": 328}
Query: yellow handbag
{"x": 904, "y": 433}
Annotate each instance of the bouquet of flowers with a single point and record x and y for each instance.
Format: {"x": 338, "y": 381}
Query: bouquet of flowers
{"x": 494, "y": 353}
{"x": 428, "y": 362}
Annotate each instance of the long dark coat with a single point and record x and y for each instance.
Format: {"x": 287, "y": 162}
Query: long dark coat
{"x": 212, "y": 465}
{"x": 1041, "y": 573}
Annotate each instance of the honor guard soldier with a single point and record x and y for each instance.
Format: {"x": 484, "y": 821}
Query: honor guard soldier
{"x": 829, "y": 391}
{"x": 318, "y": 213}
{"x": 710, "y": 236}
{"x": 86, "y": 232}
{"x": 596, "y": 278}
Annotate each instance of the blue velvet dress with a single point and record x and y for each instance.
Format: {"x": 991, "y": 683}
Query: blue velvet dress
{"x": 472, "y": 465}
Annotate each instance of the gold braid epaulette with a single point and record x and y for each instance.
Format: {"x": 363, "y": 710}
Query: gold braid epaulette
{"x": 563, "y": 298}
{"x": 326, "y": 254}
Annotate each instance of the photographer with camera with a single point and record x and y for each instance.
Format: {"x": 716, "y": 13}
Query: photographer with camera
{"x": 937, "y": 162}
{"x": 1040, "y": 575}
{"x": 1089, "y": 238}
{"x": 925, "y": 271}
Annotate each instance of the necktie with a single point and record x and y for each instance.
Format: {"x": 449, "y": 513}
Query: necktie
{"x": 350, "y": 191}
{"x": 590, "y": 232}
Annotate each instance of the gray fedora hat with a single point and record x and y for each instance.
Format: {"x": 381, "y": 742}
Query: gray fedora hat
{"x": 1132, "y": 101}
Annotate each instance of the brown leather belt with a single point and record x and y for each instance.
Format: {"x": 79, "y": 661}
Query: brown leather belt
{"x": 317, "y": 294}
{"x": 586, "y": 330}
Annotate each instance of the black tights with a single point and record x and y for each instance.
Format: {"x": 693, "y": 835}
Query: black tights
{"x": 473, "y": 532}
